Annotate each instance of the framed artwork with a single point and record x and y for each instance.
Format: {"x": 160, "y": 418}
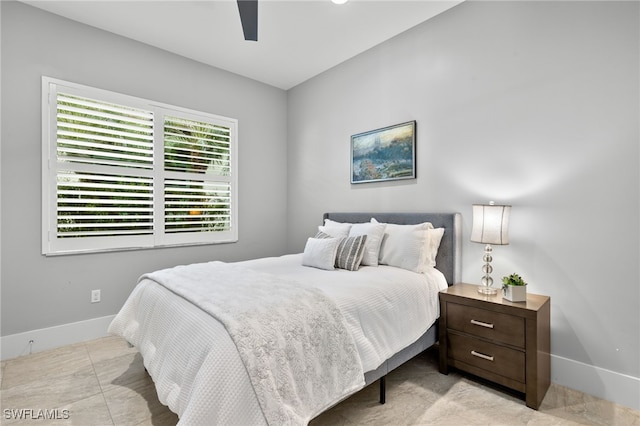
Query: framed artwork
{"x": 384, "y": 154}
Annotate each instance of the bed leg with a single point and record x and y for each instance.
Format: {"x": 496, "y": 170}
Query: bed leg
{"x": 383, "y": 388}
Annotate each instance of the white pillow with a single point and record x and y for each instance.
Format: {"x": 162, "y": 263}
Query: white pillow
{"x": 433, "y": 243}
{"x": 423, "y": 225}
{"x": 374, "y": 233}
{"x": 405, "y": 246}
{"x": 335, "y": 229}
{"x": 320, "y": 253}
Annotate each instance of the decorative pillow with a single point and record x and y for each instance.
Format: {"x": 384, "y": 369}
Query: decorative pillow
{"x": 335, "y": 229}
{"x": 323, "y": 235}
{"x": 320, "y": 253}
{"x": 350, "y": 251}
{"x": 405, "y": 246}
{"x": 433, "y": 243}
{"x": 374, "y": 233}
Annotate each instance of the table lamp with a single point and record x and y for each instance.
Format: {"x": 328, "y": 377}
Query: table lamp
{"x": 490, "y": 226}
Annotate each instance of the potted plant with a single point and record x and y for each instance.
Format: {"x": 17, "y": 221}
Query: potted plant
{"x": 514, "y": 288}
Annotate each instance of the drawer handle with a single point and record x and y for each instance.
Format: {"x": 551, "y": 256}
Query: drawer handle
{"x": 481, "y": 324}
{"x": 483, "y": 356}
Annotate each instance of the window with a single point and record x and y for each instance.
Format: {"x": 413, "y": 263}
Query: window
{"x": 121, "y": 172}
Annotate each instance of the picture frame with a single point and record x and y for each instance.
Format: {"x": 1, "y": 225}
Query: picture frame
{"x": 384, "y": 154}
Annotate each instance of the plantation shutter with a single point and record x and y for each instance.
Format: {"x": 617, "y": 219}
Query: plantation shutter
{"x": 120, "y": 172}
{"x": 98, "y": 194}
{"x": 95, "y": 132}
{"x": 103, "y": 205}
{"x": 197, "y": 185}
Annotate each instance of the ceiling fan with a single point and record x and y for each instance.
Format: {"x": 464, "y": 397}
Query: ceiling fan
{"x": 249, "y": 18}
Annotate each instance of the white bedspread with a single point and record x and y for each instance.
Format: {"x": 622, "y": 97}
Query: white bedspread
{"x": 197, "y": 369}
{"x": 387, "y": 308}
{"x": 293, "y": 339}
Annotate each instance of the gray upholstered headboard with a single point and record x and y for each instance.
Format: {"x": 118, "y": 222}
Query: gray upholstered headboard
{"x": 448, "y": 259}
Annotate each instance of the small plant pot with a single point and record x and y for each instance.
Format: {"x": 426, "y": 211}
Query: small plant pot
{"x": 515, "y": 293}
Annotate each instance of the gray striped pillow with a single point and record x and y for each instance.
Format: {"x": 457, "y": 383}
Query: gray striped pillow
{"x": 350, "y": 251}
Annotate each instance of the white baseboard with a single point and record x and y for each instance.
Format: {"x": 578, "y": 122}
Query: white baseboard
{"x": 599, "y": 382}
{"x": 15, "y": 345}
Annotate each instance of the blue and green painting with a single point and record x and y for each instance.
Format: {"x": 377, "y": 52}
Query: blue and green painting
{"x": 383, "y": 154}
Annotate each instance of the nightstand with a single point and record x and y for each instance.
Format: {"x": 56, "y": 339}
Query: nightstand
{"x": 505, "y": 342}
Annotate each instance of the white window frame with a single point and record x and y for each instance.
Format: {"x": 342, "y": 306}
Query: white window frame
{"x": 52, "y": 245}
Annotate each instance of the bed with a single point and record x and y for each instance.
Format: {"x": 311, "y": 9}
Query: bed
{"x": 280, "y": 340}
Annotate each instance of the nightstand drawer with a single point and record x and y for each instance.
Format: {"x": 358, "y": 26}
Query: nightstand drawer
{"x": 494, "y": 358}
{"x": 502, "y": 328}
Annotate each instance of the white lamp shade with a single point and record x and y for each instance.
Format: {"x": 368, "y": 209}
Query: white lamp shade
{"x": 490, "y": 224}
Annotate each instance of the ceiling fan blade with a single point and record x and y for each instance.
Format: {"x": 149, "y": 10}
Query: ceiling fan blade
{"x": 249, "y": 18}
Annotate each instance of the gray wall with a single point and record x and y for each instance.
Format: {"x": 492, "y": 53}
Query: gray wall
{"x": 39, "y": 292}
{"x": 530, "y": 104}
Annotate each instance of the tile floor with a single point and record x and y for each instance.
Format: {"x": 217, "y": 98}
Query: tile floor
{"x": 103, "y": 382}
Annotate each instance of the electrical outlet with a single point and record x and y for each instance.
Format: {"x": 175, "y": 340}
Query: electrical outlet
{"x": 95, "y": 296}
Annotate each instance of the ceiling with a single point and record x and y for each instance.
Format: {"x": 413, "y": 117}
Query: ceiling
{"x": 296, "y": 39}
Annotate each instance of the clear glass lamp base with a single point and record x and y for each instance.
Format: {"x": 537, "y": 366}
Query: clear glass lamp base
{"x": 487, "y": 290}
{"x": 487, "y": 282}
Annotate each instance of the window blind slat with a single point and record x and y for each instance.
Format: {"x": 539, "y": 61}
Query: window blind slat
{"x": 83, "y": 194}
{"x": 99, "y": 156}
